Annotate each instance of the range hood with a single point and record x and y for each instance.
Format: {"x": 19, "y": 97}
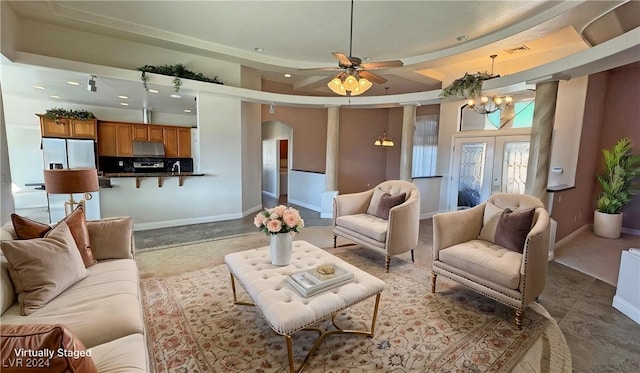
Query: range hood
{"x": 148, "y": 149}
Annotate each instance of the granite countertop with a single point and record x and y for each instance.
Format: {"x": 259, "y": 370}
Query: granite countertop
{"x": 152, "y": 174}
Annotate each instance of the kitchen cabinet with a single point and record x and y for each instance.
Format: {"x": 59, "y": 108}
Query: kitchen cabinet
{"x": 68, "y": 128}
{"x": 177, "y": 142}
{"x": 147, "y": 132}
{"x": 115, "y": 139}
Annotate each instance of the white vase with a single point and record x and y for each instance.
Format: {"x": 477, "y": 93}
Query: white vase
{"x": 281, "y": 249}
{"x": 607, "y": 225}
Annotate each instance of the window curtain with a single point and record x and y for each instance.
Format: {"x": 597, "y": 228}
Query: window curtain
{"x": 425, "y": 145}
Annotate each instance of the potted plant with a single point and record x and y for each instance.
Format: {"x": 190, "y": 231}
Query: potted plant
{"x": 621, "y": 167}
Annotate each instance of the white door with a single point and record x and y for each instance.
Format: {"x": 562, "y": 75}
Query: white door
{"x": 486, "y": 165}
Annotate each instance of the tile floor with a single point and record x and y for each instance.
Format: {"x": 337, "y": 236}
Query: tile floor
{"x": 601, "y": 338}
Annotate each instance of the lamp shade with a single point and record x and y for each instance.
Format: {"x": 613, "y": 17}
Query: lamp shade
{"x": 73, "y": 180}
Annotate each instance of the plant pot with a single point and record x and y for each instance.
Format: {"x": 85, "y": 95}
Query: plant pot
{"x": 280, "y": 246}
{"x": 607, "y": 225}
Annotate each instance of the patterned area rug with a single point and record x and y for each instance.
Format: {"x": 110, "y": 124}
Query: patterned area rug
{"x": 193, "y": 326}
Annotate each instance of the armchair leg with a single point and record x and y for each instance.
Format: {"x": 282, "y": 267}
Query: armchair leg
{"x": 433, "y": 282}
{"x": 335, "y": 239}
{"x": 412, "y": 257}
{"x": 387, "y": 261}
{"x": 519, "y": 317}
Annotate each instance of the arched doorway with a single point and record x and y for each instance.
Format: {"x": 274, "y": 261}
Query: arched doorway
{"x": 277, "y": 140}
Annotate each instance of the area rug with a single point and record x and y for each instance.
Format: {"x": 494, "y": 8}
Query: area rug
{"x": 193, "y": 326}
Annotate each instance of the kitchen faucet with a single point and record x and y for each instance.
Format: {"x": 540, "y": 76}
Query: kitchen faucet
{"x": 176, "y": 164}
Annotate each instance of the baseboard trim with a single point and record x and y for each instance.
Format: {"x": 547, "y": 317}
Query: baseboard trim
{"x": 627, "y": 308}
{"x": 635, "y": 232}
{"x": 305, "y": 205}
{"x": 188, "y": 221}
{"x": 571, "y": 236}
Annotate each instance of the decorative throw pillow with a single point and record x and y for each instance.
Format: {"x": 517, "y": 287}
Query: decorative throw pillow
{"x": 387, "y": 201}
{"x": 375, "y": 201}
{"x": 112, "y": 238}
{"x": 44, "y": 338}
{"x": 513, "y": 228}
{"x": 27, "y": 229}
{"x": 42, "y": 268}
{"x": 489, "y": 222}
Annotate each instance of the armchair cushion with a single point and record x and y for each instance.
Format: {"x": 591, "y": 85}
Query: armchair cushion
{"x": 387, "y": 201}
{"x": 485, "y": 260}
{"x": 366, "y": 225}
{"x": 513, "y": 228}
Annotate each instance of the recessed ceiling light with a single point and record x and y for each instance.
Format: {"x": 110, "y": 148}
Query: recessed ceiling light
{"x": 124, "y": 104}
{"x": 124, "y": 97}
{"x": 55, "y": 96}
{"x": 39, "y": 87}
{"x": 287, "y": 75}
{"x": 72, "y": 83}
{"x": 258, "y": 49}
{"x": 175, "y": 96}
{"x": 462, "y": 38}
{"x": 187, "y": 110}
{"x": 154, "y": 91}
{"x": 366, "y": 58}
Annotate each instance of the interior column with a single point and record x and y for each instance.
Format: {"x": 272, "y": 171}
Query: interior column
{"x": 406, "y": 147}
{"x": 540, "y": 146}
{"x": 331, "y": 165}
{"x": 7, "y": 206}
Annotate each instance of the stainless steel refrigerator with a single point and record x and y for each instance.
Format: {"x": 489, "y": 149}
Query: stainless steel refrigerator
{"x": 70, "y": 153}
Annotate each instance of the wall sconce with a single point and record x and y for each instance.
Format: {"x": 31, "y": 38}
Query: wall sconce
{"x": 384, "y": 140}
{"x": 69, "y": 181}
{"x": 272, "y": 108}
{"x": 91, "y": 87}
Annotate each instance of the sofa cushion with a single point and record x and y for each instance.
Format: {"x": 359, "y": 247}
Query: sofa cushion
{"x": 123, "y": 355}
{"x": 100, "y": 308}
{"x": 387, "y": 201}
{"x": 27, "y": 229}
{"x": 68, "y": 354}
{"x": 365, "y": 224}
{"x": 513, "y": 228}
{"x": 7, "y": 291}
{"x": 42, "y": 268}
{"x": 111, "y": 238}
{"x": 485, "y": 260}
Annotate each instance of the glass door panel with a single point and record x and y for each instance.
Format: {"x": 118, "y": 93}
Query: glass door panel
{"x": 471, "y": 178}
{"x": 510, "y": 164}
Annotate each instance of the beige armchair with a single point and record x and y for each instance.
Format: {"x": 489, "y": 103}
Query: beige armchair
{"x": 500, "y": 254}
{"x": 380, "y": 219}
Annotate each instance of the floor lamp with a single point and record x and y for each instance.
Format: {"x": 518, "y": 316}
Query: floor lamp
{"x": 69, "y": 181}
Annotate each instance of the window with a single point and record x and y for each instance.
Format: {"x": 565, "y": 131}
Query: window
{"x": 520, "y": 115}
{"x": 425, "y": 146}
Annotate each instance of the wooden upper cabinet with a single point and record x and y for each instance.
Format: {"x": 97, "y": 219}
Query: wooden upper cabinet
{"x": 184, "y": 142}
{"x": 170, "y": 139}
{"x": 68, "y": 128}
{"x": 147, "y": 132}
{"x": 155, "y": 133}
{"x": 115, "y": 139}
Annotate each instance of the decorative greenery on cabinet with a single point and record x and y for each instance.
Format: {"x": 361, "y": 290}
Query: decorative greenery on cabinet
{"x": 56, "y": 113}
{"x": 177, "y": 71}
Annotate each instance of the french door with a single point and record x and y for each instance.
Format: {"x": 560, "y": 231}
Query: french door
{"x": 486, "y": 165}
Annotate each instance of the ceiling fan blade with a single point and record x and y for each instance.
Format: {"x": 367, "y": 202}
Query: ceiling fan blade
{"x": 382, "y": 64}
{"x": 321, "y": 69}
{"x": 342, "y": 58}
{"x": 371, "y": 76}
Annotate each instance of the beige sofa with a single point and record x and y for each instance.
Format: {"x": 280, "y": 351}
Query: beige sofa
{"x": 498, "y": 248}
{"x": 358, "y": 218}
{"x": 103, "y": 310}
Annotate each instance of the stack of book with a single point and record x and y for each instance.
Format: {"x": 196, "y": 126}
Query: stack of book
{"x": 310, "y": 282}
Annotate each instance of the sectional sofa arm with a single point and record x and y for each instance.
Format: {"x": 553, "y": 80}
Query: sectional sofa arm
{"x": 111, "y": 238}
{"x": 455, "y": 227}
{"x": 351, "y": 204}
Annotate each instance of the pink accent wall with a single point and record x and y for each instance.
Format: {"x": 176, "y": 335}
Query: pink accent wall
{"x": 612, "y": 111}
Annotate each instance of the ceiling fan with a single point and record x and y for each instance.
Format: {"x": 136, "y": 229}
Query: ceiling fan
{"x": 355, "y": 78}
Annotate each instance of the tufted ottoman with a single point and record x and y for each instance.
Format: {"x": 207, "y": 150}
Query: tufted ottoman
{"x": 283, "y": 307}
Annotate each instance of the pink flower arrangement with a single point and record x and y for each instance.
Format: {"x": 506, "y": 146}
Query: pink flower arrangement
{"x": 279, "y": 219}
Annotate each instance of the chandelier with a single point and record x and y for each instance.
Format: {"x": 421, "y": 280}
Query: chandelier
{"x": 384, "y": 140}
{"x": 349, "y": 83}
{"x": 488, "y": 104}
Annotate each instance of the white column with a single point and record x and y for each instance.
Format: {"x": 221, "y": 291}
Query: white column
{"x": 540, "y": 146}
{"x": 331, "y": 165}
{"x": 7, "y": 205}
{"x": 406, "y": 150}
